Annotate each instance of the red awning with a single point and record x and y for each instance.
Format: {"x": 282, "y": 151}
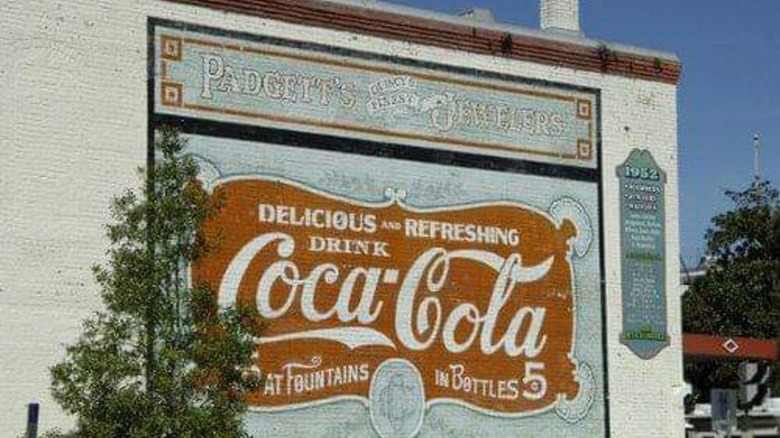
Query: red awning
{"x": 736, "y": 347}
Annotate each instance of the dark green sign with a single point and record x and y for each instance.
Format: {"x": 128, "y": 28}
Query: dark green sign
{"x": 643, "y": 254}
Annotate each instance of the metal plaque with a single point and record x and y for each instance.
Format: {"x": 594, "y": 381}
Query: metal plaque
{"x": 643, "y": 254}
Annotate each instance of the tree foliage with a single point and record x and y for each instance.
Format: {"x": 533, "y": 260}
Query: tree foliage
{"x": 740, "y": 293}
{"x": 161, "y": 360}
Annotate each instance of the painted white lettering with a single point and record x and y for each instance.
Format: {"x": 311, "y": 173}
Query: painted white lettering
{"x": 213, "y": 68}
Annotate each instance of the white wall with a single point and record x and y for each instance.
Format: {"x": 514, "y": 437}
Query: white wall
{"x": 73, "y": 131}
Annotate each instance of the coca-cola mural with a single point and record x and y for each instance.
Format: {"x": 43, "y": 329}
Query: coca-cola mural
{"x": 400, "y": 290}
{"x": 481, "y": 292}
{"x": 419, "y": 290}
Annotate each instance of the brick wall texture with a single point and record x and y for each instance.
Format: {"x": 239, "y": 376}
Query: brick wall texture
{"x": 73, "y": 129}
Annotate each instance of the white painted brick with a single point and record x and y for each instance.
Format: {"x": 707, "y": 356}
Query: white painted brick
{"x": 73, "y": 131}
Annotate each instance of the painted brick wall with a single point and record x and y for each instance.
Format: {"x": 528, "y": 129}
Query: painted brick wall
{"x": 73, "y": 132}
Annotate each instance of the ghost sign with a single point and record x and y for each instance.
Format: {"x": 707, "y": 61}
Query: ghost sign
{"x": 404, "y": 287}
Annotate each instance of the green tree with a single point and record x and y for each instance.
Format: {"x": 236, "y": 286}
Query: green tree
{"x": 740, "y": 293}
{"x": 161, "y": 360}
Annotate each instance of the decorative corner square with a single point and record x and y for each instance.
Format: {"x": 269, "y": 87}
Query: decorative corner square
{"x": 584, "y": 149}
{"x": 172, "y": 94}
{"x": 584, "y": 109}
{"x": 171, "y": 48}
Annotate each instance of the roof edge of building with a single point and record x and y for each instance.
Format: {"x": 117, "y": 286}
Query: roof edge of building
{"x": 551, "y": 47}
{"x": 555, "y": 35}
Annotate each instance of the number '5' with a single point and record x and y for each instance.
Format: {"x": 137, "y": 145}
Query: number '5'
{"x": 538, "y": 382}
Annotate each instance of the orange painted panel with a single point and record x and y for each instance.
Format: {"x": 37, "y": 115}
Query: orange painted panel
{"x": 342, "y": 287}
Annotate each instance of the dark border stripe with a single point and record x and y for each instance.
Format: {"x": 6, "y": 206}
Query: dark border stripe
{"x": 334, "y": 143}
{"x": 150, "y": 104}
{"x": 602, "y": 274}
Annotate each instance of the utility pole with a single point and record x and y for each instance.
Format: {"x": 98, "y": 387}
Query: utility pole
{"x": 756, "y": 157}
{"x": 756, "y": 165}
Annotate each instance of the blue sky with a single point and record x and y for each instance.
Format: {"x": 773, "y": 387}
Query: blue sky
{"x": 730, "y": 87}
